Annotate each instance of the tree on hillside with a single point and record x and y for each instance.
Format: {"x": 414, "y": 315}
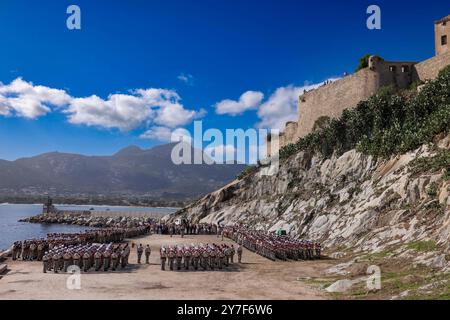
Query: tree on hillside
{"x": 363, "y": 62}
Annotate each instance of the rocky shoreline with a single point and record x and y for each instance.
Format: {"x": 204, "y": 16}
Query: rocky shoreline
{"x": 88, "y": 221}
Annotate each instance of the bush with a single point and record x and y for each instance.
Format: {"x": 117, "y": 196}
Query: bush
{"x": 363, "y": 62}
{"x": 247, "y": 171}
{"x": 385, "y": 124}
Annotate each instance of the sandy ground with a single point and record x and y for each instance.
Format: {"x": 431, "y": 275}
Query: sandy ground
{"x": 255, "y": 278}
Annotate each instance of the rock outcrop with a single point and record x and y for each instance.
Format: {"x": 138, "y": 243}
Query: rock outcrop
{"x": 88, "y": 221}
{"x": 348, "y": 202}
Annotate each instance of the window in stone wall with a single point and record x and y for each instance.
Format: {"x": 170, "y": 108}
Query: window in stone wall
{"x": 392, "y": 68}
{"x": 405, "y": 69}
{"x": 444, "y": 40}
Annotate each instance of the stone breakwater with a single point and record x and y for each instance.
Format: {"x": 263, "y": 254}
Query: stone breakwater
{"x": 90, "y": 221}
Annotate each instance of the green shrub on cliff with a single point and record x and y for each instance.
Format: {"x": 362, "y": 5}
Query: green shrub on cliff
{"x": 386, "y": 124}
{"x": 247, "y": 171}
{"x": 363, "y": 62}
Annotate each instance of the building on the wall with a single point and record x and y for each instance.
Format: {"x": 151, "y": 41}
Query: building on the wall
{"x": 332, "y": 99}
{"x": 442, "y": 35}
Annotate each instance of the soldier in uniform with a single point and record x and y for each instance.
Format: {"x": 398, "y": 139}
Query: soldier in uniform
{"x": 196, "y": 257}
{"x": 40, "y": 250}
{"x": 124, "y": 257}
{"x": 114, "y": 260}
{"x": 97, "y": 260}
{"x": 212, "y": 258}
{"x": 15, "y": 250}
{"x": 148, "y": 251}
{"x": 187, "y": 258}
{"x": 162, "y": 253}
{"x": 45, "y": 261}
{"x": 86, "y": 261}
{"x": 221, "y": 258}
{"x": 67, "y": 260}
{"x": 77, "y": 259}
{"x": 239, "y": 253}
{"x": 171, "y": 257}
{"x": 55, "y": 259}
{"x": 106, "y": 259}
{"x": 25, "y": 250}
{"x": 140, "y": 250}
{"x": 204, "y": 259}
{"x": 179, "y": 258}
{"x": 33, "y": 251}
{"x": 227, "y": 253}
{"x": 232, "y": 252}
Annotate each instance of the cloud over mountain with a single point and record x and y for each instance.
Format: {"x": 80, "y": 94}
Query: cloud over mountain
{"x": 119, "y": 111}
{"x": 23, "y": 99}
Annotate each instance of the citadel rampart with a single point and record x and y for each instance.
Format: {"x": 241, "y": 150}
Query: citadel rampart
{"x": 429, "y": 69}
{"x": 332, "y": 99}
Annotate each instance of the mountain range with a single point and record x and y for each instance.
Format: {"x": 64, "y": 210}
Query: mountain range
{"x": 131, "y": 171}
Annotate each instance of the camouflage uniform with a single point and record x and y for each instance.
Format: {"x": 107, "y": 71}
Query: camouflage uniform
{"x": 179, "y": 258}
{"x": 86, "y": 261}
{"x": 239, "y": 253}
{"x": 67, "y": 260}
{"x": 45, "y": 261}
{"x": 187, "y": 258}
{"x": 97, "y": 260}
{"x": 148, "y": 251}
{"x": 106, "y": 260}
{"x": 77, "y": 259}
{"x": 55, "y": 259}
{"x": 140, "y": 250}
{"x": 114, "y": 260}
{"x": 171, "y": 257}
{"x": 163, "y": 255}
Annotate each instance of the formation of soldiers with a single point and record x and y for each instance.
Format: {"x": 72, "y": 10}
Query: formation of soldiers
{"x": 86, "y": 257}
{"x": 35, "y": 249}
{"x": 185, "y": 227}
{"x": 272, "y": 246}
{"x": 140, "y": 250}
{"x": 199, "y": 256}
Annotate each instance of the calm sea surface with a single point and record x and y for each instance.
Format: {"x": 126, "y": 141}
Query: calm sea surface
{"x": 11, "y": 230}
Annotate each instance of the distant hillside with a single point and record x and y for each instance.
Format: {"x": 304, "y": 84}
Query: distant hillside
{"x": 131, "y": 171}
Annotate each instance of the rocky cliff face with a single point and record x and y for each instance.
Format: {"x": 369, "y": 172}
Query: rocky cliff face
{"x": 348, "y": 202}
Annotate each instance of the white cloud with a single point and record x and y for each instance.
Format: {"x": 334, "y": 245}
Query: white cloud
{"x": 157, "y": 133}
{"x": 23, "y": 99}
{"x": 125, "y": 112}
{"x": 248, "y": 101}
{"x": 121, "y": 111}
{"x": 186, "y": 78}
{"x": 220, "y": 153}
{"x": 165, "y": 134}
{"x": 128, "y": 111}
{"x": 282, "y": 106}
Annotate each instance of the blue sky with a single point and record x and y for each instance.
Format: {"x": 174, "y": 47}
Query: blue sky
{"x": 187, "y": 57}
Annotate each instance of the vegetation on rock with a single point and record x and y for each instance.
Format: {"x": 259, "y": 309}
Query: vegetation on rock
{"x": 384, "y": 125}
{"x": 363, "y": 62}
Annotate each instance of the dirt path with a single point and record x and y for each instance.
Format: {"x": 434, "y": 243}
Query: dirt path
{"x": 255, "y": 278}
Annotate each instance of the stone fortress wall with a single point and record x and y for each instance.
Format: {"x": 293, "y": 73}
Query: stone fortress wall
{"x": 332, "y": 99}
{"x": 429, "y": 69}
